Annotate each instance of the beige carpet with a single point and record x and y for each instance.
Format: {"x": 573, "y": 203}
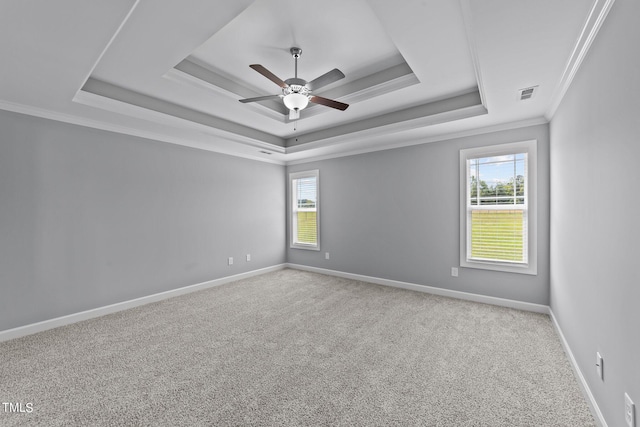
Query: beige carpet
{"x": 296, "y": 348}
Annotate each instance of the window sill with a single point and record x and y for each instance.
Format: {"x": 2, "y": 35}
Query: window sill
{"x": 305, "y": 247}
{"x": 502, "y": 267}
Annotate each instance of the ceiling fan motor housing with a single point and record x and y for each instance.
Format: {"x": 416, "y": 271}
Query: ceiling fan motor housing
{"x": 294, "y": 81}
{"x": 296, "y": 86}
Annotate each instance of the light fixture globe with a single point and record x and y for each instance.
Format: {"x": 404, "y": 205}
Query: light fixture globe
{"x": 296, "y": 101}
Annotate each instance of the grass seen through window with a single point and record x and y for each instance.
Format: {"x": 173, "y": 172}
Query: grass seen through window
{"x": 497, "y": 235}
{"x": 307, "y": 230}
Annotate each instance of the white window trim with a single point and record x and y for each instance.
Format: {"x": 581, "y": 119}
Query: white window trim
{"x": 297, "y": 175}
{"x": 529, "y": 147}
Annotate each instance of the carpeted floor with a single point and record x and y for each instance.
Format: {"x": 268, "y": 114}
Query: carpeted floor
{"x": 296, "y": 348}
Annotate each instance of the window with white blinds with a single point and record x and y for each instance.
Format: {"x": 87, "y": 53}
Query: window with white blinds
{"x": 305, "y": 224}
{"x": 498, "y": 207}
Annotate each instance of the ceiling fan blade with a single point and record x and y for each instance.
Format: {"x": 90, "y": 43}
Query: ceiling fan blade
{"x": 261, "y": 98}
{"x": 329, "y": 102}
{"x": 268, "y": 74}
{"x": 325, "y": 79}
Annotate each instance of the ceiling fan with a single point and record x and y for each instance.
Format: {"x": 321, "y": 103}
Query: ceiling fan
{"x": 296, "y": 92}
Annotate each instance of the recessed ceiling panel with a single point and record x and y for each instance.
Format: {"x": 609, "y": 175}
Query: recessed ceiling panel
{"x": 332, "y": 34}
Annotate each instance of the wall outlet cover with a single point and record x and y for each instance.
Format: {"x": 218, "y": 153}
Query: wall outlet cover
{"x": 599, "y": 366}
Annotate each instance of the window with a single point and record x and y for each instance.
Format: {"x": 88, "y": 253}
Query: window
{"x": 305, "y": 224}
{"x": 498, "y": 207}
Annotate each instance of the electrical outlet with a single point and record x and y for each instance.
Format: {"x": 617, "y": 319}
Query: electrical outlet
{"x": 629, "y": 411}
{"x": 248, "y": 257}
{"x": 599, "y": 366}
{"x": 454, "y": 271}
{"x": 326, "y": 255}
{"x": 230, "y": 260}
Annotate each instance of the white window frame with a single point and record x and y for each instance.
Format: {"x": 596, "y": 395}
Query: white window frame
{"x": 529, "y": 147}
{"x": 293, "y": 210}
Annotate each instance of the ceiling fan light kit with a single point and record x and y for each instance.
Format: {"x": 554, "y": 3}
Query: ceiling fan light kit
{"x": 296, "y": 101}
{"x": 296, "y": 92}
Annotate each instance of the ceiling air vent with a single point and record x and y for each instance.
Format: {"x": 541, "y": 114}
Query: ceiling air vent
{"x": 527, "y": 93}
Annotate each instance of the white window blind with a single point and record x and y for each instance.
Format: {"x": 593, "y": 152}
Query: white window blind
{"x": 304, "y": 212}
{"x": 497, "y": 206}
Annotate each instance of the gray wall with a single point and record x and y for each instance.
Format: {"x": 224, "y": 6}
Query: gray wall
{"x": 90, "y": 218}
{"x": 595, "y": 221}
{"x": 395, "y": 215}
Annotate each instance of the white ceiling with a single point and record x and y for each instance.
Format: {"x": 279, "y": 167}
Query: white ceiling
{"x": 416, "y": 70}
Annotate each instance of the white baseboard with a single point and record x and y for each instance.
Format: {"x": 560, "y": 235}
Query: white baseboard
{"x": 101, "y": 311}
{"x": 520, "y": 305}
{"x": 538, "y": 308}
{"x": 595, "y": 410}
{"x": 112, "y": 308}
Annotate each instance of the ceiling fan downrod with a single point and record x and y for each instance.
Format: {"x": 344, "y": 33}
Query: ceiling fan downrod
{"x": 296, "y": 52}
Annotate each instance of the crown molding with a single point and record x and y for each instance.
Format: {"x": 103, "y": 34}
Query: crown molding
{"x": 193, "y": 74}
{"x": 590, "y": 29}
{"x": 399, "y": 143}
{"x": 394, "y": 142}
{"x": 229, "y": 148}
{"x": 385, "y": 81}
{"x": 444, "y": 110}
{"x": 117, "y": 99}
{"x": 465, "y": 6}
{"x": 108, "y": 45}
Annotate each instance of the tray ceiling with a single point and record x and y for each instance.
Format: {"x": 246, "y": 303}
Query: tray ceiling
{"x": 415, "y": 71}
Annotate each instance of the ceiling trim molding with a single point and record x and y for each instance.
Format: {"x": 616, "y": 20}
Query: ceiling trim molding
{"x": 121, "y": 107}
{"x": 467, "y": 17}
{"x": 388, "y": 80}
{"x": 426, "y": 140}
{"x": 126, "y": 130}
{"x": 592, "y": 25}
{"x": 110, "y": 127}
{"x": 448, "y": 109}
{"x": 42, "y": 113}
{"x": 114, "y": 98}
{"x": 182, "y": 78}
{"x": 193, "y": 74}
{"x": 108, "y": 45}
{"x": 392, "y": 137}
